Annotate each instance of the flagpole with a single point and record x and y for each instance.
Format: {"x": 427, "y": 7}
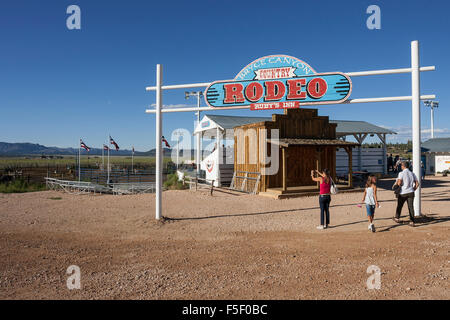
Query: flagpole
{"x": 107, "y": 182}
{"x": 79, "y": 161}
{"x": 103, "y": 157}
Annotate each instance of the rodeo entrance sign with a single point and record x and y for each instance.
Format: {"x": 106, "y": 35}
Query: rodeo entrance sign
{"x": 278, "y": 82}
{"x": 283, "y": 82}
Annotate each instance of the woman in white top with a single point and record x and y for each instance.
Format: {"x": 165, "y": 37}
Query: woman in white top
{"x": 370, "y": 199}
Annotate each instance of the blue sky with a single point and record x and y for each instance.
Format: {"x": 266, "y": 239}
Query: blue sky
{"x": 57, "y": 85}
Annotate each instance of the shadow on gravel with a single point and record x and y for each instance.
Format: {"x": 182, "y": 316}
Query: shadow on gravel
{"x": 420, "y": 222}
{"x": 386, "y": 183}
{"x": 263, "y": 213}
{"x": 255, "y": 213}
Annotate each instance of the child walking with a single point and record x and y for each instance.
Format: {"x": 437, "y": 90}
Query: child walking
{"x": 370, "y": 199}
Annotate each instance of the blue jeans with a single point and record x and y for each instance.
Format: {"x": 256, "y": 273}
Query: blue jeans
{"x": 324, "y": 201}
{"x": 370, "y": 209}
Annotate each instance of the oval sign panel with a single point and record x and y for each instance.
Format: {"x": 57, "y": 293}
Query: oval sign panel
{"x": 279, "y": 82}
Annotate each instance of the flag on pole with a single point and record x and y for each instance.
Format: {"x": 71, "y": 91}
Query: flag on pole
{"x": 105, "y": 147}
{"x": 84, "y": 146}
{"x": 111, "y": 141}
{"x": 165, "y": 141}
{"x": 132, "y": 149}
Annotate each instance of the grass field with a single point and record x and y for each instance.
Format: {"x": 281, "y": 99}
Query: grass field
{"x": 21, "y": 162}
{"x": 21, "y": 186}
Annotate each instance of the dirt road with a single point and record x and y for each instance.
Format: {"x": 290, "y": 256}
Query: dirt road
{"x": 228, "y": 246}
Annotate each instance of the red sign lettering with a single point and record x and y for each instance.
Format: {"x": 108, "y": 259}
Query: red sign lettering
{"x": 233, "y": 93}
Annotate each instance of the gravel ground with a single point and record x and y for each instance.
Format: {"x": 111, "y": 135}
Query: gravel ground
{"x": 228, "y": 246}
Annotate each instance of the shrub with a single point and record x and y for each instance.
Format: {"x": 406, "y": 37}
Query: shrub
{"x": 20, "y": 186}
{"x": 173, "y": 183}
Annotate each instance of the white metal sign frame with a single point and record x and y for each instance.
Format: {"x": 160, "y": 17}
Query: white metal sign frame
{"x": 415, "y": 98}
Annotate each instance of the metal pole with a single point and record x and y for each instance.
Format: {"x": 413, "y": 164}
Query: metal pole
{"x": 132, "y": 160}
{"x": 79, "y": 161}
{"x": 178, "y": 147}
{"x": 385, "y": 168}
{"x": 362, "y": 100}
{"x": 432, "y": 120}
{"x": 103, "y": 157}
{"x": 107, "y": 181}
{"x": 158, "y": 203}
{"x": 198, "y": 134}
{"x": 415, "y": 82}
{"x": 350, "y": 74}
{"x": 219, "y": 154}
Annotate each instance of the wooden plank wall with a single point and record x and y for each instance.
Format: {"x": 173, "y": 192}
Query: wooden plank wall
{"x": 297, "y": 123}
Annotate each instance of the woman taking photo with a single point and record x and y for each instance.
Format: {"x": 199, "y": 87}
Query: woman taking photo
{"x": 325, "y": 196}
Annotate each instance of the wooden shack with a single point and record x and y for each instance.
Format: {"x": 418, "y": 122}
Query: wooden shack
{"x": 306, "y": 141}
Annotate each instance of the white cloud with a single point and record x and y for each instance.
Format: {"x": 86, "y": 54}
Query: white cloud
{"x": 404, "y": 133}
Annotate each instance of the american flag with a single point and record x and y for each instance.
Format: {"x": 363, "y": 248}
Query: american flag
{"x": 165, "y": 141}
{"x": 84, "y": 146}
{"x": 111, "y": 140}
{"x": 105, "y": 147}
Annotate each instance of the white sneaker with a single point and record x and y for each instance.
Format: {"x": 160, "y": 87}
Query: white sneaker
{"x": 369, "y": 227}
{"x": 320, "y": 227}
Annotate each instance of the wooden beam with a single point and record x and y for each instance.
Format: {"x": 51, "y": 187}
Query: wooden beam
{"x": 350, "y": 166}
{"x": 317, "y": 168}
{"x": 283, "y": 150}
{"x": 382, "y": 137}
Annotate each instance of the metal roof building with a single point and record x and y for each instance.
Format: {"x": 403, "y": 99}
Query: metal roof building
{"x": 347, "y": 127}
{"x": 436, "y": 145}
{"x": 212, "y": 126}
{"x": 344, "y": 127}
{"x": 436, "y": 155}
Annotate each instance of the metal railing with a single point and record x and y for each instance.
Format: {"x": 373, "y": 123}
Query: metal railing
{"x": 133, "y": 188}
{"x": 75, "y": 187}
{"x": 80, "y": 187}
{"x": 245, "y": 187}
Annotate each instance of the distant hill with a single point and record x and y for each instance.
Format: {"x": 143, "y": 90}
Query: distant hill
{"x": 28, "y": 149}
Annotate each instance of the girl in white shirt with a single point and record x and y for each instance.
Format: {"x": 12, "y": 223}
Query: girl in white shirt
{"x": 370, "y": 199}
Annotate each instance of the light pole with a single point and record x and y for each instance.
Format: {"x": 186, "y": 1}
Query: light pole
{"x": 198, "y": 94}
{"x": 432, "y": 105}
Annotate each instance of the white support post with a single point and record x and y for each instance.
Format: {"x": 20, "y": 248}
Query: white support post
{"x": 360, "y": 138}
{"x": 158, "y": 133}
{"x": 178, "y": 149}
{"x": 360, "y": 153}
{"x": 108, "y": 169}
{"x": 385, "y": 168}
{"x": 219, "y": 154}
{"x": 198, "y": 135}
{"x": 201, "y": 147}
{"x": 432, "y": 121}
{"x": 415, "y": 94}
{"x": 382, "y": 138}
{"x": 79, "y": 161}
